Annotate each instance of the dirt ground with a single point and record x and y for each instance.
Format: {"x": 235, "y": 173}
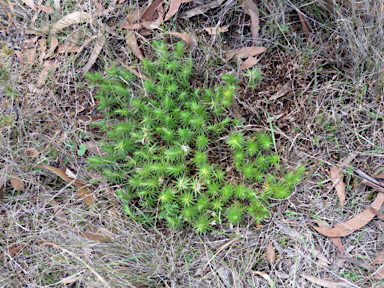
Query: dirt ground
{"x": 320, "y": 97}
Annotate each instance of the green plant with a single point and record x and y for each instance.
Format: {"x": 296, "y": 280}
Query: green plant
{"x": 162, "y": 145}
{"x": 255, "y": 76}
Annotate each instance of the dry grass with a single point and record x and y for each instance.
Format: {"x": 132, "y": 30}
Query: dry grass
{"x": 333, "y": 108}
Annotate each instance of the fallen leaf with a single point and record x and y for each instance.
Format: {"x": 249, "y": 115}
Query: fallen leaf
{"x": 132, "y": 44}
{"x": 304, "y": 23}
{"x": 251, "y": 9}
{"x": 292, "y": 232}
{"x": 270, "y": 253}
{"x": 150, "y": 13}
{"x": 43, "y": 48}
{"x": 249, "y": 63}
{"x": 131, "y": 21}
{"x": 335, "y": 240}
{"x": 216, "y": 30}
{"x": 265, "y": 276}
{"x": 201, "y": 9}
{"x": 93, "y": 147}
{"x": 70, "y": 19}
{"x": 70, "y": 279}
{"x": 100, "y": 41}
{"x": 325, "y": 282}
{"x": 48, "y": 64}
{"x": 348, "y": 227}
{"x": 94, "y": 235}
{"x": 360, "y": 263}
{"x": 379, "y": 258}
{"x": 320, "y": 256}
{"x": 379, "y": 274}
{"x": 30, "y": 3}
{"x": 68, "y": 48}
{"x": 225, "y": 276}
{"x": 377, "y": 213}
{"x": 173, "y": 8}
{"x": 45, "y": 8}
{"x": 189, "y": 39}
{"x": 83, "y": 192}
{"x": 337, "y": 180}
{"x": 13, "y": 250}
{"x": 245, "y": 52}
{"x": 17, "y": 184}
{"x": 283, "y": 91}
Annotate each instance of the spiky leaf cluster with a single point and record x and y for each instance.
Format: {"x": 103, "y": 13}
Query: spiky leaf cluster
{"x": 163, "y": 139}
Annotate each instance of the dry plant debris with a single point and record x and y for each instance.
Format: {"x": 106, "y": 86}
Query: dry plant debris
{"x": 321, "y": 96}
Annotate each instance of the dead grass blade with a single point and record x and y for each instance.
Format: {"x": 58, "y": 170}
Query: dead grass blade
{"x": 250, "y": 8}
{"x": 190, "y": 40}
{"x": 100, "y": 41}
{"x": 325, "y": 282}
{"x": 132, "y": 44}
{"x": 81, "y": 261}
{"x": 84, "y": 192}
{"x": 337, "y": 180}
{"x": 271, "y": 253}
{"x": 173, "y": 8}
{"x": 348, "y": 227}
{"x": 244, "y": 52}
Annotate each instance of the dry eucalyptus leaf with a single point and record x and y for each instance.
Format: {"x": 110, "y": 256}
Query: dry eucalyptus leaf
{"x": 17, "y": 184}
{"x": 83, "y": 192}
{"x": 71, "y": 19}
{"x": 68, "y": 48}
{"x": 132, "y": 44}
{"x": 325, "y": 282}
{"x": 48, "y": 64}
{"x": 173, "y": 8}
{"x": 190, "y": 40}
{"x": 249, "y": 63}
{"x": 348, "y": 227}
{"x": 270, "y": 253}
{"x": 100, "y": 41}
{"x": 251, "y": 9}
{"x": 337, "y": 180}
{"x": 217, "y": 30}
{"x": 245, "y": 52}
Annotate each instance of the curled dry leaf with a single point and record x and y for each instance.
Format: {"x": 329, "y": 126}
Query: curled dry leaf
{"x": 83, "y": 192}
{"x": 348, "y": 227}
{"x": 265, "y": 276}
{"x": 270, "y": 253}
{"x": 245, "y": 52}
{"x": 217, "y": 30}
{"x": 190, "y": 40}
{"x": 337, "y": 180}
{"x": 17, "y": 184}
{"x": 326, "y": 282}
{"x": 250, "y": 8}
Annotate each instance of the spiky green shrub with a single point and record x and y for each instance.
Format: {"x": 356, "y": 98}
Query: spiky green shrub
{"x": 172, "y": 151}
